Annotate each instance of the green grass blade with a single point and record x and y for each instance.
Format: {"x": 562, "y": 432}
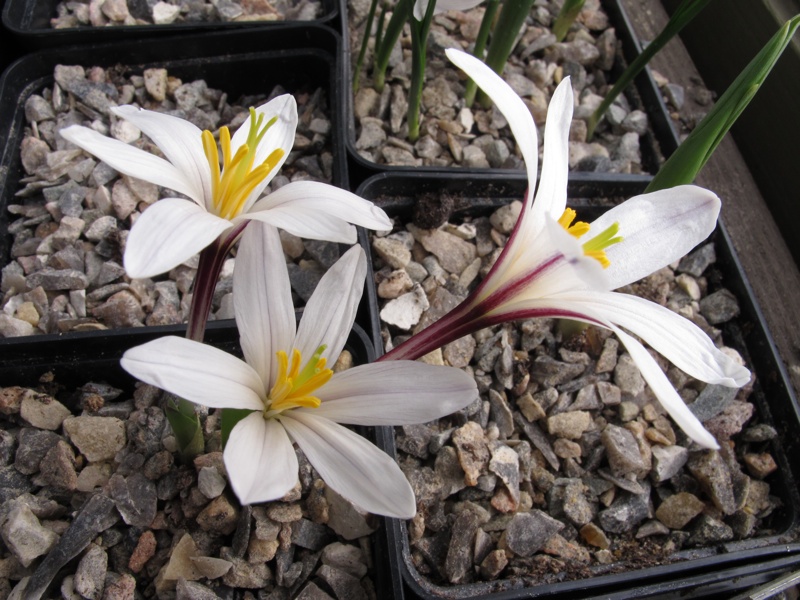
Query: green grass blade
{"x": 684, "y": 164}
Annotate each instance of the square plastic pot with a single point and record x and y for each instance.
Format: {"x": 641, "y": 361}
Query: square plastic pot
{"x": 642, "y": 94}
{"x": 28, "y": 24}
{"x": 242, "y": 62}
{"x": 715, "y": 571}
{"x": 63, "y": 365}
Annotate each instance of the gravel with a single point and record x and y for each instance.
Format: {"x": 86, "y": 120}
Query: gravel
{"x": 116, "y": 13}
{"x": 99, "y": 506}
{"x": 72, "y": 214}
{"x": 453, "y": 135}
{"x": 568, "y": 458}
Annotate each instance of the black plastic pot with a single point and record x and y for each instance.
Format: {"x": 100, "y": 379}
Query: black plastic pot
{"x": 28, "y": 24}
{"x": 708, "y": 572}
{"x": 643, "y": 94}
{"x": 63, "y": 365}
{"x": 246, "y": 61}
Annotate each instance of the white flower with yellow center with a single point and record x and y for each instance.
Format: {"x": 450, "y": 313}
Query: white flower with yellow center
{"x": 553, "y": 267}
{"x": 222, "y": 197}
{"x": 293, "y": 395}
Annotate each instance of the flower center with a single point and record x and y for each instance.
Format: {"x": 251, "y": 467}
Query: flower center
{"x": 238, "y": 177}
{"x": 596, "y": 247}
{"x": 293, "y": 387}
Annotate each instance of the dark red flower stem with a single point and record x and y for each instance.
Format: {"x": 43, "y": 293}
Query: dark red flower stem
{"x": 212, "y": 258}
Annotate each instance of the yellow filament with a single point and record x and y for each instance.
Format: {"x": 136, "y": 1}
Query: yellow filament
{"x": 238, "y": 177}
{"x": 293, "y": 386}
{"x": 596, "y": 247}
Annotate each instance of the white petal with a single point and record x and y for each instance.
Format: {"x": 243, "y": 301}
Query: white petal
{"x": 134, "y": 162}
{"x": 310, "y": 200}
{"x": 279, "y": 135}
{"x": 200, "y": 373}
{"x": 168, "y": 233}
{"x": 331, "y": 310}
{"x": 657, "y": 229}
{"x": 551, "y": 196}
{"x": 351, "y": 466}
{"x": 306, "y": 225}
{"x": 510, "y": 104}
{"x": 665, "y": 393}
{"x": 260, "y": 460}
{"x": 179, "y": 140}
{"x": 395, "y": 393}
{"x": 579, "y": 272}
{"x": 262, "y": 299}
{"x": 676, "y": 338}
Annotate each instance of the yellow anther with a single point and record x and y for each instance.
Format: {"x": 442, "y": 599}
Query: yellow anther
{"x": 232, "y": 184}
{"x": 293, "y": 386}
{"x": 578, "y": 229}
{"x": 596, "y": 247}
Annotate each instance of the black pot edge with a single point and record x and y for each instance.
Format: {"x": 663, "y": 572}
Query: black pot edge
{"x": 27, "y": 359}
{"x": 18, "y": 18}
{"x": 736, "y": 559}
{"x": 658, "y": 115}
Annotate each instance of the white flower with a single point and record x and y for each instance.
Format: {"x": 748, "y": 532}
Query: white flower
{"x": 551, "y": 267}
{"x": 292, "y": 394}
{"x": 222, "y": 200}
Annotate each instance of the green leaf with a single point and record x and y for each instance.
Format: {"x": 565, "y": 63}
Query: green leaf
{"x": 402, "y": 11}
{"x": 504, "y": 38}
{"x": 480, "y": 45}
{"x": 364, "y": 43}
{"x": 566, "y": 17}
{"x": 682, "y": 15}
{"x": 684, "y": 164}
{"x": 186, "y": 426}
{"x": 230, "y": 417}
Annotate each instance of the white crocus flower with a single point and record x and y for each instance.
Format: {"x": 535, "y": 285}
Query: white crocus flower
{"x": 293, "y": 395}
{"x": 222, "y": 199}
{"x": 552, "y": 267}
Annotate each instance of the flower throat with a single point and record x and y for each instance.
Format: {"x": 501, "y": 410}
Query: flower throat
{"x": 596, "y": 247}
{"x": 293, "y": 387}
{"x": 238, "y": 177}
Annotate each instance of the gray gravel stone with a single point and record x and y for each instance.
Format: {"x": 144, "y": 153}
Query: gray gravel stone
{"x": 719, "y": 307}
{"x": 91, "y": 573}
{"x": 528, "y": 532}
{"x": 627, "y": 511}
{"x": 25, "y": 536}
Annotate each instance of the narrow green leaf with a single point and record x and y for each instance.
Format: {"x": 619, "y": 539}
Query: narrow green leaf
{"x": 693, "y": 153}
{"x": 504, "y": 38}
{"x": 364, "y": 43}
{"x": 402, "y": 11}
{"x": 682, "y": 15}
{"x": 566, "y": 17}
{"x": 419, "y": 56}
{"x": 480, "y": 45}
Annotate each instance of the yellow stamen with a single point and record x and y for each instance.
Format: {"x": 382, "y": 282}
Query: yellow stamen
{"x": 293, "y": 386}
{"x": 238, "y": 177}
{"x": 578, "y": 229}
{"x": 596, "y": 247}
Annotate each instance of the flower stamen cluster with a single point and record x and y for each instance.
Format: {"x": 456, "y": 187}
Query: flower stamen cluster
{"x": 232, "y": 184}
{"x": 596, "y": 247}
{"x": 293, "y": 387}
